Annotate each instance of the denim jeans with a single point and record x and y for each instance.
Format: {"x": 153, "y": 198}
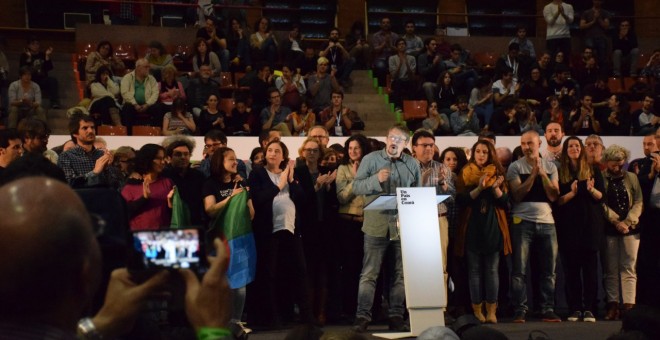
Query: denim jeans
{"x": 483, "y": 276}
{"x": 544, "y": 237}
{"x": 374, "y": 253}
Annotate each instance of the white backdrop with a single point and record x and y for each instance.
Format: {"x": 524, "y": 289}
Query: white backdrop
{"x": 244, "y": 145}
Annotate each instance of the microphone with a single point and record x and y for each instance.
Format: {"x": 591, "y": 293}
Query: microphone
{"x": 412, "y": 175}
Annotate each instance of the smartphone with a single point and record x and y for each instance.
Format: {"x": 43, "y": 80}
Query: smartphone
{"x": 154, "y": 250}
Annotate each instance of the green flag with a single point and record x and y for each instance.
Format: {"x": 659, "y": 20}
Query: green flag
{"x": 180, "y": 211}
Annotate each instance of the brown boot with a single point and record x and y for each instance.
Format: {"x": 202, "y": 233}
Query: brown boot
{"x": 114, "y": 115}
{"x": 626, "y": 308}
{"x": 491, "y": 310}
{"x": 612, "y": 311}
{"x": 478, "y": 312}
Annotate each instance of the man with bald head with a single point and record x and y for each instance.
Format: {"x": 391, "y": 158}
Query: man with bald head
{"x": 139, "y": 90}
{"x": 534, "y": 183}
{"x": 55, "y": 271}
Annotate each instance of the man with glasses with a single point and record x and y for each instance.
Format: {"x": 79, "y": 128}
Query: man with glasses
{"x": 381, "y": 172}
{"x": 84, "y": 165}
{"x": 214, "y": 140}
{"x": 321, "y": 85}
{"x": 321, "y": 134}
{"x": 594, "y": 147}
{"x": 188, "y": 181}
{"x": 275, "y": 116}
{"x": 34, "y": 134}
{"x": 439, "y": 176}
{"x": 429, "y": 66}
{"x": 11, "y": 148}
{"x": 139, "y": 90}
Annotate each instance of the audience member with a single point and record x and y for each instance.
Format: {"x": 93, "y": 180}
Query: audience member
{"x": 40, "y": 63}
{"x": 579, "y": 221}
{"x": 202, "y": 55}
{"x": 139, "y": 90}
{"x": 447, "y": 93}
{"x": 463, "y": 121}
{"x": 259, "y": 87}
{"x": 535, "y": 90}
{"x": 464, "y": 77}
{"x": 625, "y": 48}
{"x": 85, "y": 165}
{"x": 263, "y": 43}
{"x": 436, "y": 122}
{"x": 215, "y": 41}
{"x": 534, "y": 186}
{"x": 414, "y": 44}
{"x": 429, "y": 66}
{"x": 275, "y": 116}
{"x": 211, "y": 117}
{"x": 594, "y": 146}
{"x": 357, "y": 45}
{"x": 481, "y": 99}
{"x": 104, "y": 106}
{"x": 169, "y": 88}
{"x": 201, "y": 89}
{"x": 506, "y": 87}
{"x": 321, "y": 85}
{"x": 339, "y": 58}
{"x": 554, "y": 133}
{"x": 158, "y": 58}
{"x": 292, "y": 87}
{"x": 238, "y": 46}
{"x": 24, "y": 99}
{"x": 595, "y": 22}
{"x": 382, "y": 43}
{"x": 103, "y": 56}
{"x": 584, "y": 123}
{"x": 337, "y": 118}
{"x": 124, "y": 160}
{"x": 617, "y": 123}
{"x": 645, "y": 119}
{"x": 527, "y": 52}
{"x": 378, "y": 173}
{"x": 34, "y": 134}
{"x": 178, "y": 121}
{"x": 623, "y": 206}
{"x": 555, "y": 114}
{"x": 303, "y": 119}
{"x": 558, "y": 16}
{"x": 10, "y": 148}
{"x": 402, "y": 68}
{"x": 511, "y": 62}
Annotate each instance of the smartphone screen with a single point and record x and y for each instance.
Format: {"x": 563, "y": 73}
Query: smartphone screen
{"x": 177, "y": 248}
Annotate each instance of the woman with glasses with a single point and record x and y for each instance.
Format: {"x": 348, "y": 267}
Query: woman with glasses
{"x": 483, "y": 230}
{"x": 318, "y": 214}
{"x": 224, "y": 184}
{"x": 623, "y": 206}
{"x": 351, "y": 216}
{"x": 278, "y": 201}
{"x": 594, "y": 147}
{"x": 147, "y": 193}
{"x": 579, "y": 221}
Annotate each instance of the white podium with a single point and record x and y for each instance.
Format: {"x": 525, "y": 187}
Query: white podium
{"x": 421, "y": 254}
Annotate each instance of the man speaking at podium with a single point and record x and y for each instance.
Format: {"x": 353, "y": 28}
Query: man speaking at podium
{"x": 380, "y": 173}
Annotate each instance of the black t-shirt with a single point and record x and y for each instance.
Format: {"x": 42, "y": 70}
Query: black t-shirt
{"x": 220, "y": 190}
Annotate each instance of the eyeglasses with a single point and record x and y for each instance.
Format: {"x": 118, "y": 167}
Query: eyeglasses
{"x": 312, "y": 151}
{"x": 425, "y": 145}
{"x": 397, "y": 139}
{"x": 214, "y": 145}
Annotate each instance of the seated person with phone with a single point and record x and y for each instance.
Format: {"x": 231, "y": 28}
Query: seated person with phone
{"x": 55, "y": 272}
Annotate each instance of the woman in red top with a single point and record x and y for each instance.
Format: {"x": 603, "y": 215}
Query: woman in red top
{"x": 147, "y": 193}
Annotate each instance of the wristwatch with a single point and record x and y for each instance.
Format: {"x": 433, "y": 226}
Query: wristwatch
{"x": 87, "y": 331}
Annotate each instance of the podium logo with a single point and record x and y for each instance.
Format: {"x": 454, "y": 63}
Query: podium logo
{"x": 405, "y": 198}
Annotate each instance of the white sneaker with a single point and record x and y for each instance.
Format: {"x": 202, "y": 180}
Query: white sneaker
{"x": 588, "y": 317}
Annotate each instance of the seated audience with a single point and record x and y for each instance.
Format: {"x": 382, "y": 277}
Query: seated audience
{"x": 104, "y": 106}
{"x": 292, "y": 87}
{"x": 555, "y": 114}
{"x": 158, "y": 58}
{"x": 446, "y": 98}
{"x": 202, "y": 55}
{"x": 276, "y": 116}
{"x": 24, "y": 99}
{"x": 215, "y": 41}
{"x": 337, "y": 118}
{"x": 382, "y": 43}
{"x": 211, "y": 117}
{"x": 40, "y": 63}
{"x": 200, "y": 89}
{"x": 625, "y": 48}
{"x": 321, "y": 85}
{"x": 263, "y": 42}
{"x": 435, "y": 121}
{"x": 481, "y": 99}
{"x": 402, "y": 68}
{"x": 304, "y": 119}
{"x": 617, "y": 123}
{"x": 429, "y": 66}
{"x": 178, "y": 121}
{"x": 645, "y": 120}
{"x": 463, "y": 121}
{"x": 139, "y": 90}
{"x": 512, "y": 62}
{"x": 339, "y": 57}
{"x": 358, "y": 46}
{"x": 103, "y": 56}
{"x": 238, "y": 46}
{"x": 464, "y": 77}
{"x": 169, "y": 88}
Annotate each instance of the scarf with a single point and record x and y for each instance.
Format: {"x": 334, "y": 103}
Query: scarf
{"x": 468, "y": 179}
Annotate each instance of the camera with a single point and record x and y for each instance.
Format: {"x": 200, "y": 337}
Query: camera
{"x": 155, "y": 250}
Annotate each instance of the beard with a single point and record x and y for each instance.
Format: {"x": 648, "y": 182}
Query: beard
{"x": 554, "y": 142}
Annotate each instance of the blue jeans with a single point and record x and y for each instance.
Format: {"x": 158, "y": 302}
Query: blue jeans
{"x": 483, "y": 276}
{"x": 374, "y": 252}
{"x": 544, "y": 237}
